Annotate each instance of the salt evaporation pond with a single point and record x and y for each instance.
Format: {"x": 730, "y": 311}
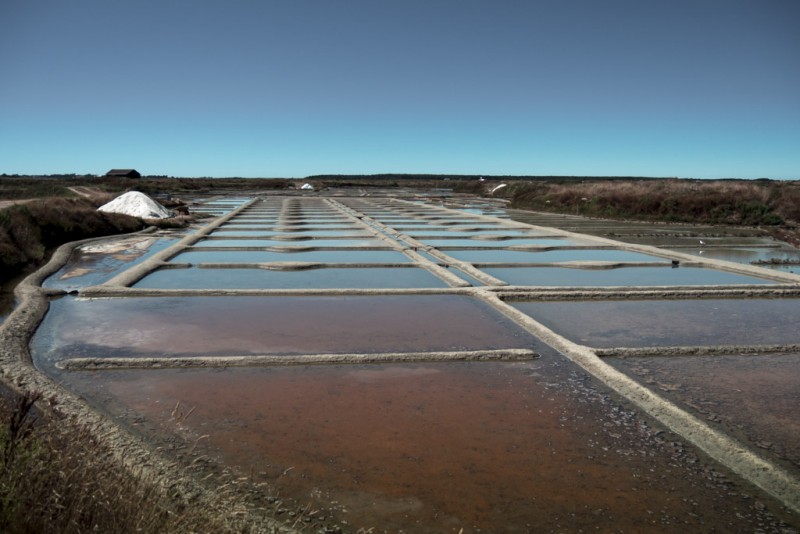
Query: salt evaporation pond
{"x": 622, "y": 276}
{"x": 551, "y": 256}
{"x": 101, "y": 262}
{"x": 652, "y": 323}
{"x": 501, "y": 243}
{"x": 369, "y": 278}
{"x": 377, "y": 243}
{"x": 530, "y": 446}
{"x": 752, "y": 396}
{"x": 314, "y": 256}
{"x": 746, "y": 255}
{"x": 438, "y": 447}
{"x": 219, "y": 326}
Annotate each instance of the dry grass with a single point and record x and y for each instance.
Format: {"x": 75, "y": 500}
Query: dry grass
{"x": 728, "y": 202}
{"x": 53, "y": 482}
{"x": 28, "y": 231}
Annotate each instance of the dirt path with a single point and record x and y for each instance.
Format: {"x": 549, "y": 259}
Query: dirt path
{"x": 7, "y": 203}
{"x": 86, "y": 192}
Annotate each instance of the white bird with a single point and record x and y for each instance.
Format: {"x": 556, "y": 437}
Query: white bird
{"x": 702, "y": 242}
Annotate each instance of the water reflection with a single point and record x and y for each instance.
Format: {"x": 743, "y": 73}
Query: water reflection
{"x": 373, "y": 277}
{"x": 219, "y": 326}
{"x": 97, "y": 263}
{"x": 621, "y": 277}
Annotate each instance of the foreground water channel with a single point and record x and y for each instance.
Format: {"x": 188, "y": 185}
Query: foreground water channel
{"x": 415, "y": 365}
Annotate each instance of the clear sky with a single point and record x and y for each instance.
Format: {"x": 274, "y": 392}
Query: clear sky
{"x": 690, "y": 88}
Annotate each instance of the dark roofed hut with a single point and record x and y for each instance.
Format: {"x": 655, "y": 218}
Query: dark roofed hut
{"x": 124, "y": 173}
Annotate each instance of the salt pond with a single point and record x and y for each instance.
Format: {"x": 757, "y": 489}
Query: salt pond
{"x": 436, "y": 447}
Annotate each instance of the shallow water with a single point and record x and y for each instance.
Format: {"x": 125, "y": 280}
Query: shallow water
{"x": 745, "y": 255}
{"x": 364, "y": 278}
{"x": 466, "y": 234}
{"x": 551, "y": 256}
{"x": 314, "y": 256}
{"x": 355, "y": 232}
{"x": 753, "y": 397}
{"x": 492, "y": 447}
{"x": 529, "y": 447}
{"x": 102, "y": 262}
{"x": 501, "y": 243}
{"x": 290, "y": 243}
{"x": 186, "y": 326}
{"x": 623, "y": 276}
{"x": 262, "y": 234}
{"x": 653, "y": 323}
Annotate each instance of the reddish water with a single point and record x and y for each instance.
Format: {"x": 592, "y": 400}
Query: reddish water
{"x": 171, "y": 326}
{"x": 436, "y": 448}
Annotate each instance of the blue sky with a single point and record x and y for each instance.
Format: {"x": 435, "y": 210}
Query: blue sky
{"x": 699, "y": 88}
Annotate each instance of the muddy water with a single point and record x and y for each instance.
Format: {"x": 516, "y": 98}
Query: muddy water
{"x": 171, "y": 326}
{"x": 439, "y": 448}
{"x": 652, "y": 323}
{"x": 754, "y": 397}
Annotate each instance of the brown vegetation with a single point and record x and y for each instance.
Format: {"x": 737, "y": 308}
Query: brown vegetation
{"x": 28, "y": 231}
{"x": 714, "y": 202}
{"x": 23, "y": 187}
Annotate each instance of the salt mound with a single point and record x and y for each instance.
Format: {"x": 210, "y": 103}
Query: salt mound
{"x": 136, "y": 204}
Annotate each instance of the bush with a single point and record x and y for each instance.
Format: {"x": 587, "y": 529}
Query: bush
{"x": 28, "y": 231}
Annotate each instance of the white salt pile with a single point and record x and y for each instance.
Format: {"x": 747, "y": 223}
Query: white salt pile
{"x": 136, "y": 204}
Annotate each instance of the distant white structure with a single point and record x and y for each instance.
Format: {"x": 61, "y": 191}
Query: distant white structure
{"x": 307, "y": 187}
{"x": 497, "y": 188}
{"x": 136, "y": 204}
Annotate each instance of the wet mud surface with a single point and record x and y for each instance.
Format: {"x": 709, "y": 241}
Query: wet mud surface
{"x": 94, "y": 264}
{"x": 754, "y": 397}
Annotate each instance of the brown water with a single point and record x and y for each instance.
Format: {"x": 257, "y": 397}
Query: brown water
{"x": 172, "y": 326}
{"x": 532, "y": 447}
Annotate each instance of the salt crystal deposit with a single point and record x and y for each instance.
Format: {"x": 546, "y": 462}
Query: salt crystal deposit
{"x": 136, "y": 204}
